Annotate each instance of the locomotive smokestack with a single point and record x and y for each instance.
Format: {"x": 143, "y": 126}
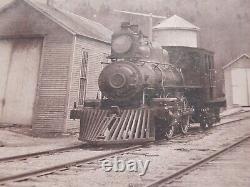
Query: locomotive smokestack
{"x": 134, "y": 28}
{"x": 125, "y": 25}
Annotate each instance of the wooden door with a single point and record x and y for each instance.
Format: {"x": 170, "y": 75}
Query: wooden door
{"x": 19, "y": 64}
{"x": 240, "y": 87}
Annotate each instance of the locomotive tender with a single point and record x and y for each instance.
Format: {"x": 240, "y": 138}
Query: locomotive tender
{"x": 149, "y": 93}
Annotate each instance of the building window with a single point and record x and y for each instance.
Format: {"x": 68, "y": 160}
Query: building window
{"x": 104, "y": 60}
{"x": 83, "y": 77}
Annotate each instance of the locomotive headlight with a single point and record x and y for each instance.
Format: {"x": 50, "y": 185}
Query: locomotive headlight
{"x": 122, "y": 44}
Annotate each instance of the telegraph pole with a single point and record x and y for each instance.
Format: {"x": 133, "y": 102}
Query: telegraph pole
{"x": 150, "y": 16}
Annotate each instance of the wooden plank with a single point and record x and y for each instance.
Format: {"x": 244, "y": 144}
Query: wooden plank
{"x": 81, "y": 126}
{"x": 114, "y": 126}
{"x": 143, "y": 123}
{"x": 138, "y": 124}
{"x": 133, "y": 125}
{"x": 89, "y": 120}
{"x": 124, "y": 125}
{"x": 112, "y": 129}
{"x": 85, "y": 122}
{"x": 93, "y": 118}
{"x": 129, "y": 124}
{"x": 96, "y": 123}
{"x": 100, "y": 123}
{"x": 119, "y": 125}
{"x": 148, "y": 124}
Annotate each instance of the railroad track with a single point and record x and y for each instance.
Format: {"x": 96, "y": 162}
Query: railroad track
{"x": 41, "y": 153}
{"x": 62, "y": 167}
{"x": 178, "y": 174}
{"x": 226, "y": 122}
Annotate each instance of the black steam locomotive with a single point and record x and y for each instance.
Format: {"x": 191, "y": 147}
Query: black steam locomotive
{"x": 149, "y": 92}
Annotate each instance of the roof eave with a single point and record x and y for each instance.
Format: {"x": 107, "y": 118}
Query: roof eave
{"x": 92, "y": 38}
{"x": 85, "y": 35}
{"x": 177, "y": 28}
{"x": 61, "y": 24}
{"x": 6, "y": 6}
{"x": 54, "y": 20}
{"x": 235, "y": 60}
{"x": 50, "y": 17}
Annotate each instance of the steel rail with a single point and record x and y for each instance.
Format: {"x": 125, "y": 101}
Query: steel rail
{"x": 227, "y": 122}
{"x": 53, "y": 169}
{"x": 180, "y": 173}
{"x": 41, "y": 153}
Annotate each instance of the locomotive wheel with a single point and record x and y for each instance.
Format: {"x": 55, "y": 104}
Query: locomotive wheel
{"x": 169, "y": 132}
{"x": 205, "y": 125}
{"x": 185, "y": 124}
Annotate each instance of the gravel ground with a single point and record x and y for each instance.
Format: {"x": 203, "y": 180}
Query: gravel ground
{"x": 32, "y": 164}
{"x": 19, "y": 140}
{"x": 165, "y": 158}
{"x": 16, "y": 143}
{"x": 231, "y": 169}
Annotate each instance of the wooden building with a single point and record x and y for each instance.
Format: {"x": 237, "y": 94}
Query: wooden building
{"x": 49, "y": 59}
{"x": 237, "y": 81}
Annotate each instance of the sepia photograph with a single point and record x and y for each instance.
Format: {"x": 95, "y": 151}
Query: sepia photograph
{"x": 124, "y": 93}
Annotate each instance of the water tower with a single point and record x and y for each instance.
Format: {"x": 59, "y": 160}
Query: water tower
{"x": 176, "y": 31}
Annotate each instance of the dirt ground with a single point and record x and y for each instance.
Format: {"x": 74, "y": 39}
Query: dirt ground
{"x": 15, "y": 140}
{"x": 164, "y": 158}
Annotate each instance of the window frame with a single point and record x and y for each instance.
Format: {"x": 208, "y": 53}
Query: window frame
{"x": 83, "y": 76}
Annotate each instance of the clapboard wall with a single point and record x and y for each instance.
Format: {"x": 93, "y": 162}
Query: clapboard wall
{"x": 58, "y": 77}
{"x": 51, "y": 106}
{"x": 97, "y": 53}
{"x": 21, "y": 21}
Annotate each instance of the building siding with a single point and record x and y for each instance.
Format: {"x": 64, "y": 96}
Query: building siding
{"x": 52, "y": 92}
{"x": 59, "y": 70}
{"x": 97, "y": 53}
{"x": 228, "y": 87}
{"x": 22, "y": 21}
{"x": 243, "y": 63}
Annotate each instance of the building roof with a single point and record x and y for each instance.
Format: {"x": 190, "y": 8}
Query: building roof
{"x": 175, "y": 22}
{"x": 236, "y": 60}
{"x": 73, "y": 23}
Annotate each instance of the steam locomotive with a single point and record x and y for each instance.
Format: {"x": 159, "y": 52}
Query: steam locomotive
{"x": 149, "y": 92}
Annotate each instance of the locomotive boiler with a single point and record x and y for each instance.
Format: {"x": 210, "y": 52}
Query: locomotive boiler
{"x": 144, "y": 95}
